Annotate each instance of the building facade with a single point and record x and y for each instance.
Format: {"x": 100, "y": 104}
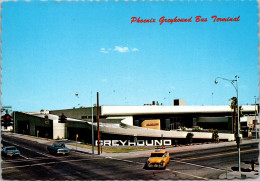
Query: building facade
{"x": 149, "y": 121}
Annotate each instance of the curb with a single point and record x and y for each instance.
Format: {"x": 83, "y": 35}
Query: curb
{"x": 82, "y": 152}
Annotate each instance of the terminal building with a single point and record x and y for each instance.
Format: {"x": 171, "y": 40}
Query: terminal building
{"x": 150, "y": 121}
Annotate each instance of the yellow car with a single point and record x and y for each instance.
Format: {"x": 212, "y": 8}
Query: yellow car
{"x": 158, "y": 159}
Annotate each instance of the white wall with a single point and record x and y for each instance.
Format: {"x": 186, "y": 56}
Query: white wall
{"x": 59, "y": 129}
{"x": 126, "y": 120}
{"x": 248, "y": 119}
{"x": 140, "y": 110}
{"x": 139, "y": 131}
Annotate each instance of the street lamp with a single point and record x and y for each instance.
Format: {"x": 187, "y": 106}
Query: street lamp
{"x": 238, "y": 139}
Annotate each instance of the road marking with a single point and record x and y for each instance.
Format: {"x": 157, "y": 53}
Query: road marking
{"x": 38, "y": 159}
{"x": 165, "y": 169}
{"x": 28, "y": 159}
{"x": 16, "y": 160}
{"x": 49, "y": 163}
{"x": 198, "y": 165}
{"x": 190, "y": 175}
{"x": 182, "y": 161}
{"x": 136, "y": 162}
{"x": 122, "y": 160}
{"x": 24, "y": 157}
{"x": 235, "y": 152}
{"x": 29, "y": 149}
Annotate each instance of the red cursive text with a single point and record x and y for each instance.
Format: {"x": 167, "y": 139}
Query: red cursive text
{"x": 139, "y": 20}
{"x": 176, "y": 20}
{"x": 216, "y": 19}
{"x": 199, "y": 19}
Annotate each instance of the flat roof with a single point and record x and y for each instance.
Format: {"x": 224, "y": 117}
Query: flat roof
{"x": 142, "y": 110}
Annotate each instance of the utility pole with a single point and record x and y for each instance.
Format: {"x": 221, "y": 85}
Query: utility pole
{"x": 14, "y": 122}
{"x": 92, "y": 125}
{"x": 98, "y": 136}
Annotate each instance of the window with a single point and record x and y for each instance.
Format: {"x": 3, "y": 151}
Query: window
{"x": 59, "y": 145}
{"x": 157, "y": 155}
{"x": 11, "y": 148}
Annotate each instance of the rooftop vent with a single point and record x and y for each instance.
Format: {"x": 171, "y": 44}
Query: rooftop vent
{"x": 155, "y": 103}
{"x": 179, "y": 102}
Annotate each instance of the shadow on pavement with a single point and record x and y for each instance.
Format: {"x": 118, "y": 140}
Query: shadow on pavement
{"x": 242, "y": 169}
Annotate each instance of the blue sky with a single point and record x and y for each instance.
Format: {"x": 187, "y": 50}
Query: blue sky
{"x": 51, "y": 50}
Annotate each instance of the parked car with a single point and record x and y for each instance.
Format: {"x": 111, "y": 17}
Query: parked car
{"x": 158, "y": 159}
{"x": 58, "y": 149}
{"x": 10, "y": 151}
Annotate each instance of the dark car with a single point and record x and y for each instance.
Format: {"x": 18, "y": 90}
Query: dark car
{"x": 58, "y": 149}
{"x": 10, "y": 151}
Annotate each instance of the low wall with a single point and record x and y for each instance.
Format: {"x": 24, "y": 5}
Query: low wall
{"x": 159, "y": 133}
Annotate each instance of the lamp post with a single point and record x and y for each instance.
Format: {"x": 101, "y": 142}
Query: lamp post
{"x": 238, "y": 139}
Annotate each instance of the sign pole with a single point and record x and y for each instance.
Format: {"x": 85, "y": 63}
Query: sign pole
{"x": 76, "y": 140}
{"x": 135, "y": 141}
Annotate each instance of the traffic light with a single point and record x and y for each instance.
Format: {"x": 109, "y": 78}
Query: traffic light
{"x": 3, "y": 121}
{"x": 240, "y": 111}
{"x": 6, "y": 120}
{"x": 62, "y": 119}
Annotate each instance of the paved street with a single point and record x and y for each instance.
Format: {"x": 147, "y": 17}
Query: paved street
{"x": 36, "y": 163}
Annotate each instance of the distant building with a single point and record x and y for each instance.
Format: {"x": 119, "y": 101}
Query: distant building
{"x": 149, "y": 121}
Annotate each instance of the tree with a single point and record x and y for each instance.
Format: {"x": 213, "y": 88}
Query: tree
{"x": 189, "y": 138}
{"x": 215, "y": 136}
{"x": 197, "y": 128}
{"x": 233, "y": 106}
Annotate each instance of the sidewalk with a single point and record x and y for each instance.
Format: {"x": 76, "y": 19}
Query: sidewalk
{"x": 237, "y": 175}
{"x": 31, "y": 138}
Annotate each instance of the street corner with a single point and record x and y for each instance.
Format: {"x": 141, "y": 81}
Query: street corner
{"x": 237, "y": 175}
{"x": 249, "y": 169}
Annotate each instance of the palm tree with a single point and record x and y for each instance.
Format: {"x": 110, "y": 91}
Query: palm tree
{"x": 233, "y": 106}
